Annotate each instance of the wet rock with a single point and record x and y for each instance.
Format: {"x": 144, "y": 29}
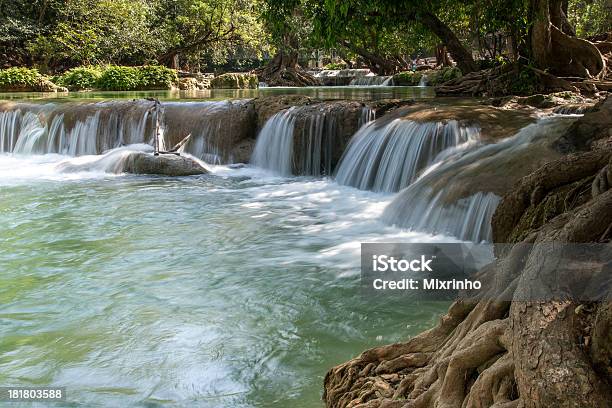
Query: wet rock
{"x": 241, "y": 153}
{"x": 164, "y": 164}
{"x": 217, "y": 128}
{"x": 495, "y": 123}
{"x": 594, "y": 127}
{"x": 193, "y": 84}
{"x": 235, "y": 81}
{"x": 266, "y": 106}
{"x": 323, "y": 129}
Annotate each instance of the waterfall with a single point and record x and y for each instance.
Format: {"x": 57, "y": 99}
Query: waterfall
{"x": 389, "y": 156}
{"x": 367, "y": 115}
{"x": 79, "y": 128}
{"x": 423, "y": 80}
{"x": 370, "y": 80}
{"x": 341, "y": 77}
{"x": 274, "y": 147}
{"x": 458, "y": 194}
{"x": 308, "y": 140}
{"x": 388, "y": 81}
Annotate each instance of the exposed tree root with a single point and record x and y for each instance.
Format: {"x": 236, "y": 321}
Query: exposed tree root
{"x": 508, "y": 354}
{"x": 284, "y": 70}
{"x": 504, "y": 80}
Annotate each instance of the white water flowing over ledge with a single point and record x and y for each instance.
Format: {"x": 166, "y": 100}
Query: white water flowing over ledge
{"x": 458, "y": 195}
{"x": 274, "y": 146}
{"x": 307, "y": 140}
{"x": 387, "y": 158}
{"x": 93, "y": 128}
{"x": 370, "y": 80}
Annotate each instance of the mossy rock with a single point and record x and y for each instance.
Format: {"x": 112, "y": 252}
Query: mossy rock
{"x": 235, "y": 81}
{"x": 433, "y": 76}
{"x": 407, "y": 78}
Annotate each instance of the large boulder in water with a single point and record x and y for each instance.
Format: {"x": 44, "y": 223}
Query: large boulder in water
{"x": 136, "y": 159}
{"x": 163, "y": 164}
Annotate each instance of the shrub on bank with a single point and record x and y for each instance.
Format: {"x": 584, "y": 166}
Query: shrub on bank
{"x": 157, "y": 77}
{"x": 80, "y": 78}
{"x": 25, "y": 80}
{"x": 116, "y": 78}
{"x": 17, "y": 78}
{"x": 119, "y": 78}
{"x": 408, "y": 78}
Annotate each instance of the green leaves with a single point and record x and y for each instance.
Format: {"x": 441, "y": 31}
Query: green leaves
{"x": 116, "y": 78}
{"x": 81, "y": 78}
{"x": 19, "y": 77}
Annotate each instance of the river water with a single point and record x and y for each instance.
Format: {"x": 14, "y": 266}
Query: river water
{"x": 236, "y": 289}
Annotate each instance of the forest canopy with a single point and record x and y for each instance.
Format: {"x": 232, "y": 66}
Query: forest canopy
{"x": 383, "y": 35}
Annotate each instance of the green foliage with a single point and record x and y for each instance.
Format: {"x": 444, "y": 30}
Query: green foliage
{"x": 80, "y": 78}
{"x": 116, "y": 78}
{"x": 335, "y": 65}
{"x": 407, "y": 78}
{"x": 434, "y": 76}
{"x": 449, "y": 73}
{"x": 525, "y": 83}
{"x": 590, "y": 17}
{"x": 19, "y": 77}
{"x": 119, "y": 78}
{"x": 156, "y": 77}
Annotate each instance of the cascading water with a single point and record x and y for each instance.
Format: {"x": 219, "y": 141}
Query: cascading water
{"x": 388, "y": 156}
{"x": 370, "y": 80}
{"x": 274, "y": 147}
{"x": 78, "y": 129}
{"x": 308, "y": 140}
{"x": 423, "y": 80}
{"x": 367, "y": 115}
{"x": 458, "y": 194}
{"x": 388, "y": 81}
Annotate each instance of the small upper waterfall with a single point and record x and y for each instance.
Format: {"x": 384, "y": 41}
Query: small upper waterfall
{"x": 274, "y": 147}
{"x": 388, "y": 81}
{"x": 78, "y": 129}
{"x": 388, "y": 156}
{"x": 459, "y": 193}
{"x": 340, "y": 77}
{"x": 370, "y": 80}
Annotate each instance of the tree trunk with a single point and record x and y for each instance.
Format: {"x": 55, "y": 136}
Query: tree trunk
{"x": 442, "y": 56}
{"x": 284, "y": 70}
{"x": 462, "y": 56}
{"x": 561, "y": 54}
{"x": 377, "y": 64}
{"x": 558, "y": 17}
